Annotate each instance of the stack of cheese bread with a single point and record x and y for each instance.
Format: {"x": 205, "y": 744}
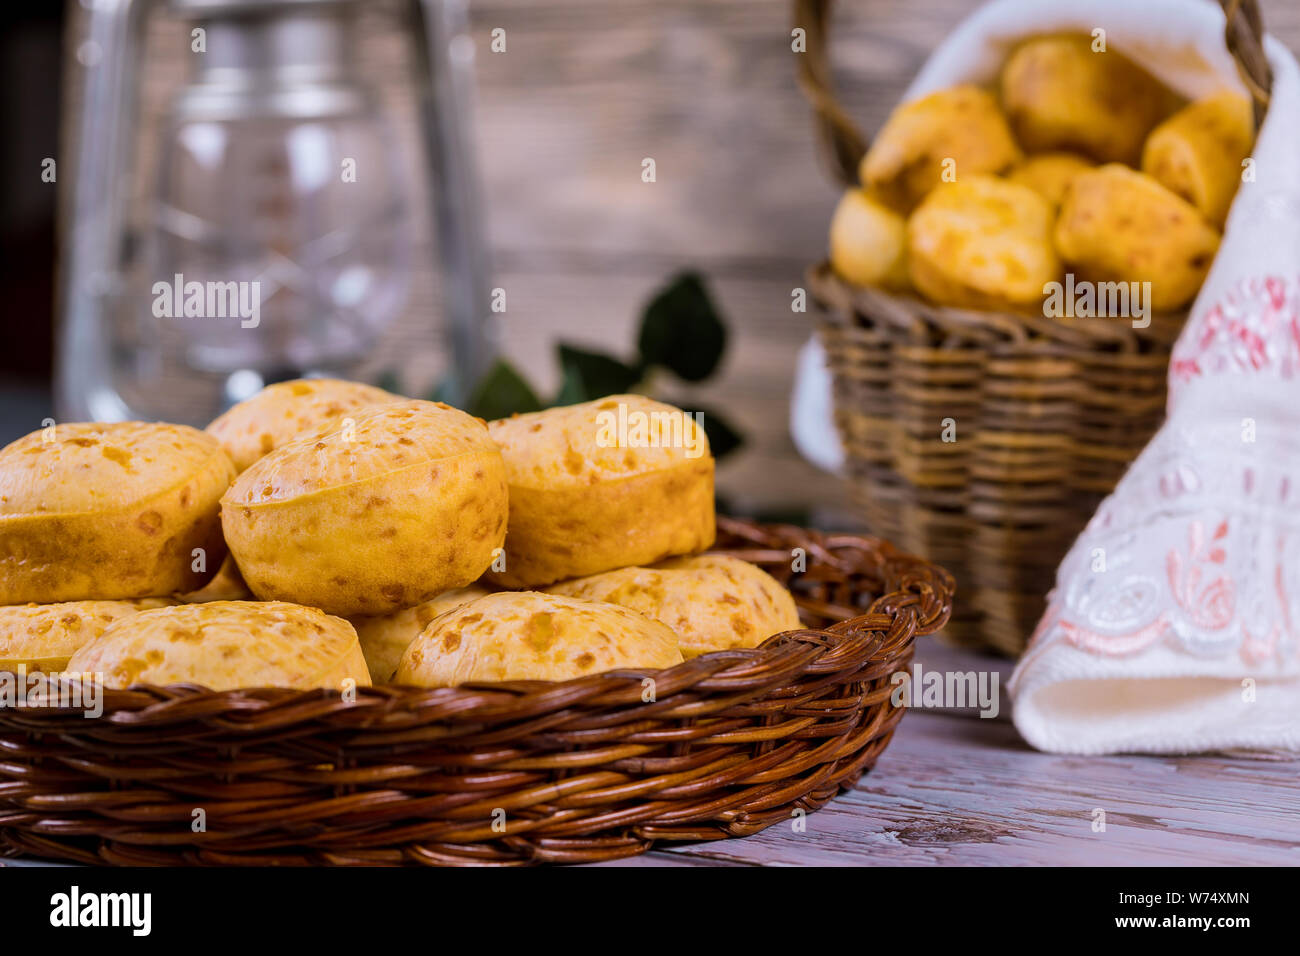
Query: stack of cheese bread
{"x": 1080, "y": 162}
{"x": 326, "y": 532}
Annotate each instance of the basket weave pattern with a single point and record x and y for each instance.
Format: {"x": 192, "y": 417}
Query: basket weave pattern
{"x": 986, "y": 440}
{"x": 575, "y": 771}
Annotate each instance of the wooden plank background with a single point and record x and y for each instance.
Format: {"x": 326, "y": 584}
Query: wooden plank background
{"x": 585, "y": 90}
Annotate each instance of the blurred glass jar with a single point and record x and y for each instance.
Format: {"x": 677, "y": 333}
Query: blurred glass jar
{"x": 277, "y": 167}
{"x": 277, "y": 239}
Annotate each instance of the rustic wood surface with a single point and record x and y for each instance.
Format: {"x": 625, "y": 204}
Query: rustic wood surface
{"x": 959, "y": 790}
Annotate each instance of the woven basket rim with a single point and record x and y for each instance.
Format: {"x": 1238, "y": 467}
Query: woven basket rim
{"x": 1021, "y": 329}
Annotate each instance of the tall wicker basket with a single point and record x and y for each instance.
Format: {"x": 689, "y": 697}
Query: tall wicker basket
{"x": 1040, "y": 416}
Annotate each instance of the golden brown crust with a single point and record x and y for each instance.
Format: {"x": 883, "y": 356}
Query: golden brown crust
{"x": 1060, "y": 94}
{"x": 225, "y": 645}
{"x": 712, "y": 602}
{"x": 958, "y": 132}
{"x": 639, "y": 520}
{"x": 1198, "y": 152}
{"x": 982, "y": 243}
{"x": 868, "y": 242}
{"x": 384, "y": 637}
{"x": 1050, "y": 174}
{"x": 227, "y": 585}
{"x": 526, "y": 635}
{"x": 584, "y": 501}
{"x": 280, "y": 412}
{"x": 401, "y": 503}
{"x": 109, "y": 511}
{"x": 42, "y": 637}
{"x": 1119, "y": 225}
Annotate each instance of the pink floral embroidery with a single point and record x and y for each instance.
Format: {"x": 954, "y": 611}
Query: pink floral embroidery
{"x": 1207, "y": 513}
{"x": 1114, "y": 645}
{"x": 1210, "y": 607}
{"x": 1255, "y": 326}
{"x": 1256, "y": 650}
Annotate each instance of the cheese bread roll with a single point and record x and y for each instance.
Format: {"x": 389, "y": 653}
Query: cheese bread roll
{"x": 713, "y": 602}
{"x": 224, "y": 645}
{"x": 525, "y": 635}
{"x": 92, "y": 511}
{"x": 619, "y": 481}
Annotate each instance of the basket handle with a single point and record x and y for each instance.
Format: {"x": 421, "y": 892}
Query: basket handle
{"x": 843, "y": 144}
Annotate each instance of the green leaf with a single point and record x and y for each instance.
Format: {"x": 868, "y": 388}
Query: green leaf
{"x": 723, "y": 436}
{"x": 591, "y": 375}
{"x": 389, "y": 382}
{"x": 682, "y": 331}
{"x": 502, "y": 392}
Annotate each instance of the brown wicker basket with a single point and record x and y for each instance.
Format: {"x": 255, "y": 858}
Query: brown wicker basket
{"x": 524, "y": 772}
{"x": 1047, "y": 413}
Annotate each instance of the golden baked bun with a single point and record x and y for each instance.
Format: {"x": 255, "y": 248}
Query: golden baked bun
{"x": 525, "y": 635}
{"x": 713, "y": 602}
{"x": 224, "y": 645}
{"x": 1050, "y": 174}
{"x": 868, "y": 242}
{"x": 385, "y": 637}
{"x": 619, "y": 481}
{"x": 1197, "y": 153}
{"x": 1060, "y": 94}
{"x": 982, "y": 243}
{"x": 109, "y": 511}
{"x": 1119, "y": 225}
{"x": 280, "y": 412}
{"x": 911, "y": 153}
{"x": 42, "y": 637}
{"x": 381, "y": 510}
